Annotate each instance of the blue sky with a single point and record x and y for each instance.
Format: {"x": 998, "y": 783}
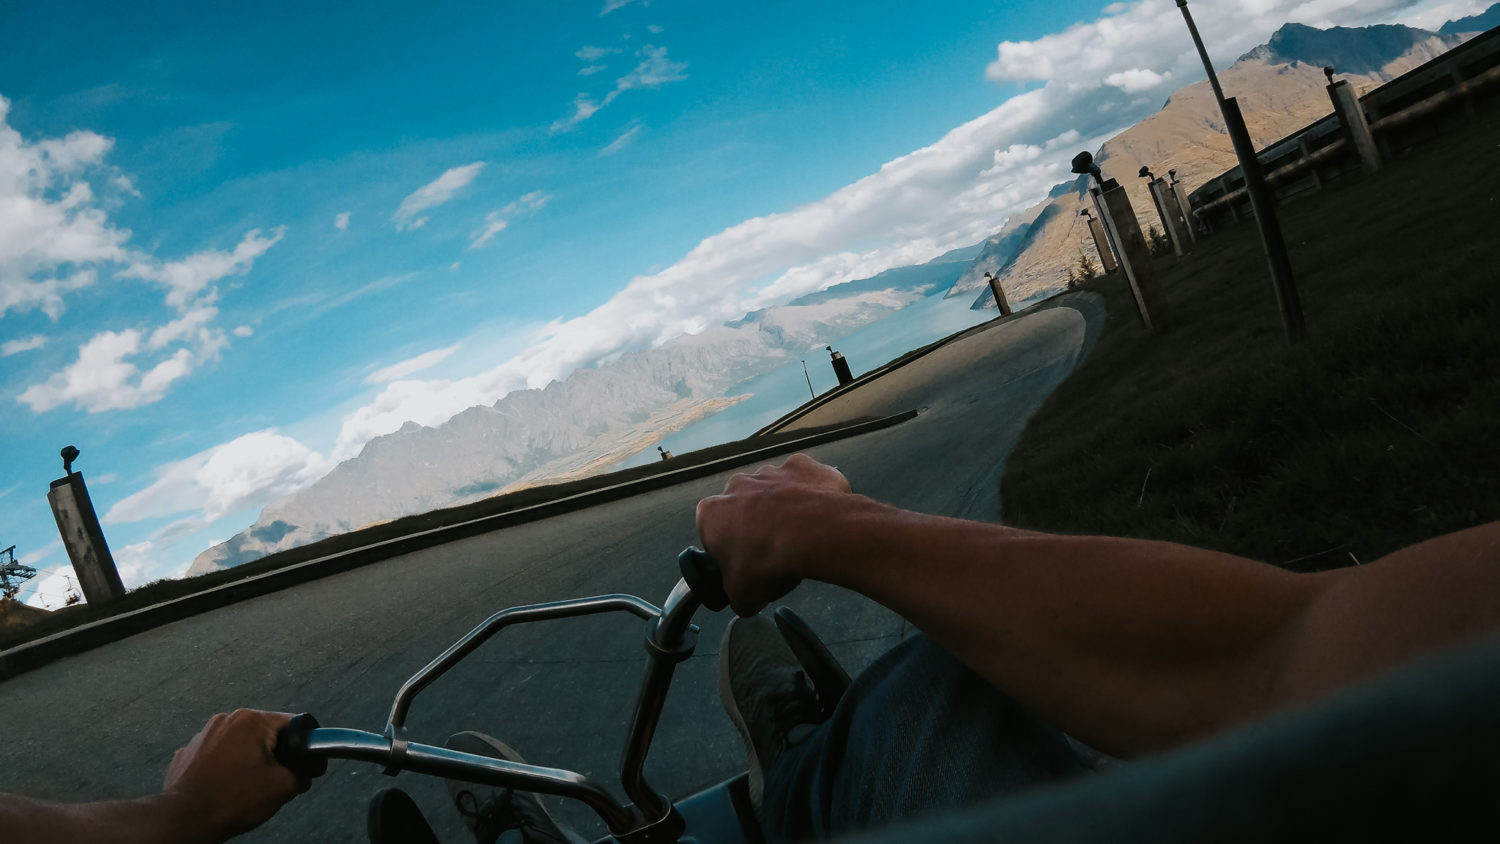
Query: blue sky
{"x": 239, "y": 240}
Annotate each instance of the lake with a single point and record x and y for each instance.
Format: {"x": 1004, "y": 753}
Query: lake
{"x": 785, "y": 388}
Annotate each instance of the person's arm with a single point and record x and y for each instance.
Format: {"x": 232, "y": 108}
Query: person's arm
{"x": 1130, "y": 645}
{"x": 224, "y": 782}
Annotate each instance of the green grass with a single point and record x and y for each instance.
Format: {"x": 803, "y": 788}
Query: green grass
{"x": 1377, "y": 432}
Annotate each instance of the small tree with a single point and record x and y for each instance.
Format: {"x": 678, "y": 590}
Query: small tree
{"x": 1158, "y": 241}
{"x": 1087, "y": 269}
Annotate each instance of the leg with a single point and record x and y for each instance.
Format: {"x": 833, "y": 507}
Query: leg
{"x": 916, "y": 732}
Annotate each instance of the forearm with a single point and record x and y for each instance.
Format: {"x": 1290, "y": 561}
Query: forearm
{"x": 1127, "y": 644}
{"x": 146, "y": 820}
{"x": 1130, "y": 645}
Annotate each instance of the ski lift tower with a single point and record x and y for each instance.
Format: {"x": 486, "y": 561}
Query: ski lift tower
{"x": 12, "y": 574}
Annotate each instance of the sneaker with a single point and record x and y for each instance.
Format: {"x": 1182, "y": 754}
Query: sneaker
{"x": 489, "y": 810}
{"x": 766, "y": 693}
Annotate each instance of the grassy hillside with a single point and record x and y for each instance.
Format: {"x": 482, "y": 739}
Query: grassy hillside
{"x": 1377, "y": 432}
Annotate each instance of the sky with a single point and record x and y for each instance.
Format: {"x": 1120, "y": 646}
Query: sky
{"x": 237, "y": 241}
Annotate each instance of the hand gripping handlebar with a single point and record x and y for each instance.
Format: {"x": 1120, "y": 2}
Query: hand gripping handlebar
{"x": 291, "y": 747}
{"x": 703, "y": 576}
{"x": 305, "y": 747}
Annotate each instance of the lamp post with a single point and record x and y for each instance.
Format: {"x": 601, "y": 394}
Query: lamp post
{"x": 1262, "y": 202}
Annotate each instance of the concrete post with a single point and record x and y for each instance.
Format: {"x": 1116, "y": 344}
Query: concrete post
{"x": 1184, "y": 208}
{"x": 1171, "y": 218}
{"x": 1101, "y": 243}
{"x": 1134, "y": 254}
{"x": 81, "y": 535}
{"x": 1356, "y": 127}
{"x": 999, "y": 292}
{"x": 1101, "y": 217}
{"x": 841, "y": 367}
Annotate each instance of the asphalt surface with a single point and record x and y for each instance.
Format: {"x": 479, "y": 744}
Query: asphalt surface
{"x": 105, "y": 723}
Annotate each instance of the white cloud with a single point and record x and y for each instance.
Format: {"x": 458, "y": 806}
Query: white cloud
{"x": 133, "y": 562}
{"x": 410, "y": 365}
{"x": 341, "y": 221}
{"x": 246, "y": 472}
{"x": 50, "y": 589}
{"x": 954, "y": 192}
{"x": 41, "y": 553}
{"x": 584, "y": 107}
{"x": 592, "y": 69}
{"x": 611, "y": 5}
{"x": 1431, "y": 15}
{"x": 189, "y": 278}
{"x": 497, "y": 221}
{"x": 51, "y": 228}
{"x": 102, "y": 379}
{"x": 243, "y": 331}
{"x": 1152, "y": 36}
{"x": 178, "y": 531}
{"x": 594, "y": 54}
{"x": 622, "y": 141}
{"x": 434, "y": 193}
{"x": 653, "y": 71}
{"x": 493, "y": 225}
{"x": 25, "y": 344}
{"x": 193, "y": 325}
{"x": 1136, "y": 79}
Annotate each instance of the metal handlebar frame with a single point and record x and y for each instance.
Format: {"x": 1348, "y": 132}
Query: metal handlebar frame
{"x": 670, "y": 638}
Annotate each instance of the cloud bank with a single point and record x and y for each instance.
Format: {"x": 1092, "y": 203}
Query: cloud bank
{"x": 433, "y": 194}
{"x": 654, "y": 71}
{"x": 1098, "y": 78}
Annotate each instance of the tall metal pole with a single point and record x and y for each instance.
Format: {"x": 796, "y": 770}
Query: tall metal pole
{"x": 810, "y": 390}
{"x": 1262, "y": 201}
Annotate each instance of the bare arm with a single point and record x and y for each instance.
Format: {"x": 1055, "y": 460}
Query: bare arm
{"x": 1130, "y": 645}
{"x": 224, "y": 782}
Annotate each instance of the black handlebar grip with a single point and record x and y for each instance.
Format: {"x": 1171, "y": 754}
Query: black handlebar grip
{"x": 291, "y": 747}
{"x": 701, "y": 571}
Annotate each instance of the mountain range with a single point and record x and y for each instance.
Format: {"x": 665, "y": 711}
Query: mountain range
{"x": 586, "y": 422}
{"x": 598, "y": 416}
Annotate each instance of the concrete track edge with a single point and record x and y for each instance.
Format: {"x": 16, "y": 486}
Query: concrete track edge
{"x": 35, "y": 654}
{"x": 1091, "y": 305}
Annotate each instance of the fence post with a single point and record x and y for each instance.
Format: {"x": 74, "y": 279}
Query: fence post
{"x": 1356, "y": 127}
{"x": 1134, "y": 254}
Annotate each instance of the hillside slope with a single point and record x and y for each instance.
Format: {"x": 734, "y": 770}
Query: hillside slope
{"x": 1280, "y": 87}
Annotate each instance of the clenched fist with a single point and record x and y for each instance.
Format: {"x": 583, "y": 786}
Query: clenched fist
{"x": 769, "y": 527}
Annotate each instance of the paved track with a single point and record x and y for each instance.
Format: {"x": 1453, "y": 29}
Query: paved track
{"x": 105, "y": 723}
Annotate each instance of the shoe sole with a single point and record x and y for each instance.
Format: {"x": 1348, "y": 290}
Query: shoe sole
{"x": 756, "y": 781}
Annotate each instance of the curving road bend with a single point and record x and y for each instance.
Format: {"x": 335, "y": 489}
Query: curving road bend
{"x": 106, "y": 722}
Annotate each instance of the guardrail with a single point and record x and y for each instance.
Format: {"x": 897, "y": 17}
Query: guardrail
{"x": 1412, "y": 108}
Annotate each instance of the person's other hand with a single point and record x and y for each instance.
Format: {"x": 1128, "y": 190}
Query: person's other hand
{"x": 767, "y": 525}
{"x": 227, "y": 775}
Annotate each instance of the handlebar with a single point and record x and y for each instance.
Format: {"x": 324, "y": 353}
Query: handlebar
{"x": 305, "y": 747}
{"x": 292, "y": 747}
{"x": 703, "y": 576}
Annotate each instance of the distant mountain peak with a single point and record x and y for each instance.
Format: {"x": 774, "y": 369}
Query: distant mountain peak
{"x": 1485, "y": 20}
{"x": 1363, "y": 50}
